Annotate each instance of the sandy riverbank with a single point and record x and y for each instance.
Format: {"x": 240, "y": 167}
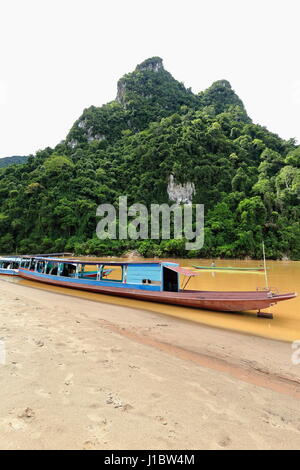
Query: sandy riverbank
{"x": 88, "y": 375}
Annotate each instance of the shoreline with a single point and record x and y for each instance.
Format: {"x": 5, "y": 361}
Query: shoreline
{"x": 132, "y": 255}
{"x": 119, "y": 369}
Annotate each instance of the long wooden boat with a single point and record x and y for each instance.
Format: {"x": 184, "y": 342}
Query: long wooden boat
{"x": 155, "y": 282}
{"x": 229, "y": 268}
{"x": 9, "y": 266}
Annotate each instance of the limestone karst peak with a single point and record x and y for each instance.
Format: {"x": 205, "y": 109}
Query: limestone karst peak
{"x": 154, "y": 64}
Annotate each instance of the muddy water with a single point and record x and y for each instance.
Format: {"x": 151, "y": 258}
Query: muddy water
{"x": 283, "y": 275}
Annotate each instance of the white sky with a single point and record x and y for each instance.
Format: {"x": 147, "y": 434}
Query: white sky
{"x": 58, "y": 57}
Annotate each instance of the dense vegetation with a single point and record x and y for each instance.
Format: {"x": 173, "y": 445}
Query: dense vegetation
{"x": 247, "y": 177}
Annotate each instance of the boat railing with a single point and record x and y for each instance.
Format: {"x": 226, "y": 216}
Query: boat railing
{"x": 272, "y": 290}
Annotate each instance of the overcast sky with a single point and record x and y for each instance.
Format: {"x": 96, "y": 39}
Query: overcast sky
{"x": 58, "y": 57}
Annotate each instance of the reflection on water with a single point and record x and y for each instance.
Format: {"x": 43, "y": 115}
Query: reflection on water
{"x": 284, "y": 275}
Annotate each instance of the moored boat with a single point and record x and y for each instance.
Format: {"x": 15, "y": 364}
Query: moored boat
{"x": 155, "y": 282}
{"x": 229, "y": 268}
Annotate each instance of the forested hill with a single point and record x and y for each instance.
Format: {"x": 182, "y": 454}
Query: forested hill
{"x": 15, "y": 160}
{"x": 154, "y": 132}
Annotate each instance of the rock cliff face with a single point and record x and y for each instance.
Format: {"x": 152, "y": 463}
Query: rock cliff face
{"x": 180, "y": 193}
{"x": 121, "y": 93}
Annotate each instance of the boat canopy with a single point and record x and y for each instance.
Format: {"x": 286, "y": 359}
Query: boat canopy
{"x": 185, "y": 272}
{"x": 8, "y": 259}
{"x": 99, "y": 262}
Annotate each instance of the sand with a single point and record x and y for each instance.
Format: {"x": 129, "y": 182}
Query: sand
{"x": 88, "y": 375}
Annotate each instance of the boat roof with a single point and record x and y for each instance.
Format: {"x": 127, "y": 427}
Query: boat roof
{"x": 102, "y": 262}
{"x": 8, "y": 258}
{"x": 184, "y": 271}
{"x": 173, "y": 266}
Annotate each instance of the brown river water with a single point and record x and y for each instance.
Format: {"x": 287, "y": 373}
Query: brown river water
{"x": 282, "y": 275}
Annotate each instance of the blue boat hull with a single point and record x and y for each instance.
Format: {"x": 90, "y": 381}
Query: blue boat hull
{"x": 9, "y": 272}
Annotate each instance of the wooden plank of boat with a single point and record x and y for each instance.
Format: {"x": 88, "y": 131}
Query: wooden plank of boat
{"x": 209, "y": 300}
{"x": 228, "y": 268}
